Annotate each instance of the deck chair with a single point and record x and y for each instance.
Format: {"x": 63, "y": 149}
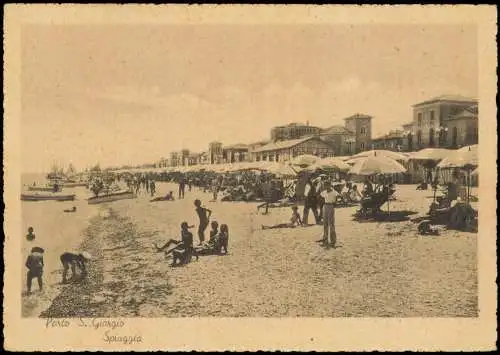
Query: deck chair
{"x": 373, "y": 204}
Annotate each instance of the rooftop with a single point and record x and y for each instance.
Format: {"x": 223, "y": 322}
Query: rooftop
{"x": 237, "y": 146}
{"x": 391, "y": 135}
{"x": 282, "y": 144}
{"x": 337, "y": 129}
{"x": 358, "y": 115}
{"x": 450, "y": 98}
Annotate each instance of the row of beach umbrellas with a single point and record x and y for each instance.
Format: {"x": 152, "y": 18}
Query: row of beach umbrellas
{"x": 365, "y": 163}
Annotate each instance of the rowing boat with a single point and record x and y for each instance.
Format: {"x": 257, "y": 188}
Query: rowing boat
{"x": 114, "y": 196}
{"x": 46, "y": 197}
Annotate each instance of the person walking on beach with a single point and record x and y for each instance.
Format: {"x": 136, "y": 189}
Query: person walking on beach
{"x": 152, "y": 187}
{"x": 204, "y": 216}
{"x": 330, "y": 196}
{"x": 146, "y": 185}
{"x": 34, "y": 263}
{"x": 182, "y": 187}
{"x": 310, "y": 203}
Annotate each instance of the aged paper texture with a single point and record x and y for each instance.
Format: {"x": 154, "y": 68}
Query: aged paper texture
{"x": 249, "y": 177}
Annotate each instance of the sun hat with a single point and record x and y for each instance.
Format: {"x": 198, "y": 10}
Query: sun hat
{"x": 37, "y": 250}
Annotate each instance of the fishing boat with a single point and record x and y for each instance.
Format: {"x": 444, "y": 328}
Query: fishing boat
{"x": 113, "y": 196}
{"x": 47, "y": 197}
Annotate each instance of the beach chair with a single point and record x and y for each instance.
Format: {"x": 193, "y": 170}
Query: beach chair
{"x": 372, "y": 204}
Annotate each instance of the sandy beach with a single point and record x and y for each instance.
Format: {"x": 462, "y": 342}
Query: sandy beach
{"x": 380, "y": 269}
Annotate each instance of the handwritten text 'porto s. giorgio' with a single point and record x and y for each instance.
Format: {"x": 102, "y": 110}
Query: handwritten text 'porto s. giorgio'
{"x": 113, "y": 328}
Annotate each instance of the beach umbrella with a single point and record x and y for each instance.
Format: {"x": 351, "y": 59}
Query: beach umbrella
{"x": 280, "y": 169}
{"x": 305, "y": 160}
{"x": 334, "y": 164}
{"x": 465, "y": 158}
{"x": 433, "y": 154}
{"x": 374, "y": 165}
{"x": 382, "y": 153}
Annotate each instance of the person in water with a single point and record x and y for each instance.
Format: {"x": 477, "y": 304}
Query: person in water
{"x": 74, "y": 261}
{"x": 295, "y": 221}
{"x": 204, "y": 216}
{"x": 31, "y": 235}
{"x": 34, "y": 263}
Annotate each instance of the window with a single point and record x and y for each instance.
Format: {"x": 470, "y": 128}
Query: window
{"x": 362, "y": 146}
{"x": 431, "y": 137}
{"x": 419, "y": 118}
{"x": 419, "y": 138}
{"x": 432, "y": 117}
{"x": 362, "y": 130}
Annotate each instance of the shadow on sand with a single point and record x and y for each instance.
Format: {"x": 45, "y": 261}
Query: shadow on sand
{"x": 385, "y": 216}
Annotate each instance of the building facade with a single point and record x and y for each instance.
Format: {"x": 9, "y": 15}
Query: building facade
{"x": 174, "y": 159}
{"x": 447, "y": 121}
{"x": 235, "y": 153}
{"x": 394, "y": 141}
{"x": 215, "y": 153}
{"x": 341, "y": 139}
{"x": 361, "y": 126}
{"x": 293, "y": 131}
{"x": 282, "y": 151}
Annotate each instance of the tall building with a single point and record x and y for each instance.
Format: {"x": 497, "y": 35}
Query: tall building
{"x": 341, "y": 139}
{"x": 447, "y": 121}
{"x": 235, "y": 153}
{"x": 215, "y": 153}
{"x": 361, "y": 126}
{"x": 175, "y": 159}
{"x": 293, "y": 131}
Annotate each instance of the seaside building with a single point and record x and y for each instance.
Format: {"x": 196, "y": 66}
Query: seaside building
{"x": 394, "y": 140}
{"x": 184, "y": 157}
{"x": 448, "y": 121}
{"x": 341, "y": 139}
{"x": 281, "y": 151}
{"x": 215, "y": 153}
{"x": 235, "y": 153}
{"x": 293, "y": 131}
{"x": 361, "y": 125}
{"x": 174, "y": 159}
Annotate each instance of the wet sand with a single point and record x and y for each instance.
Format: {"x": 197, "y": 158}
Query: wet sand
{"x": 380, "y": 269}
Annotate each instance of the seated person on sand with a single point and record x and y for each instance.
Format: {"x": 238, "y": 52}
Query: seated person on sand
{"x": 74, "y": 261}
{"x": 354, "y": 195}
{"x": 183, "y": 249}
{"x": 71, "y": 210}
{"x": 295, "y": 221}
{"x": 167, "y": 197}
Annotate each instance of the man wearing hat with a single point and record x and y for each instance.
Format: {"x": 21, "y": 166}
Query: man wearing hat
{"x": 34, "y": 263}
{"x": 330, "y": 197}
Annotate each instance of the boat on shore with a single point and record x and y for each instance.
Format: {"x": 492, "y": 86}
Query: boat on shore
{"x": 113, "y": 196}
{"x": 75, "y": 184}
{"x": 47, "y": 197}
{"x": 44, "y": 188}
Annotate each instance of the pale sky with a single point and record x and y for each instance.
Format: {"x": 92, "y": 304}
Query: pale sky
{"x": 130, "y": 94}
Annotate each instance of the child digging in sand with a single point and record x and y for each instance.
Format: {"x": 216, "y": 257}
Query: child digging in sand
{"x": 294, "y": 221}
{"x": 183, "y": 249}
{"x": 74, "y": 261}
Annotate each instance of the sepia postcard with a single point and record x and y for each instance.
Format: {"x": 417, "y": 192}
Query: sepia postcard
{"x": 243, "y": 177}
